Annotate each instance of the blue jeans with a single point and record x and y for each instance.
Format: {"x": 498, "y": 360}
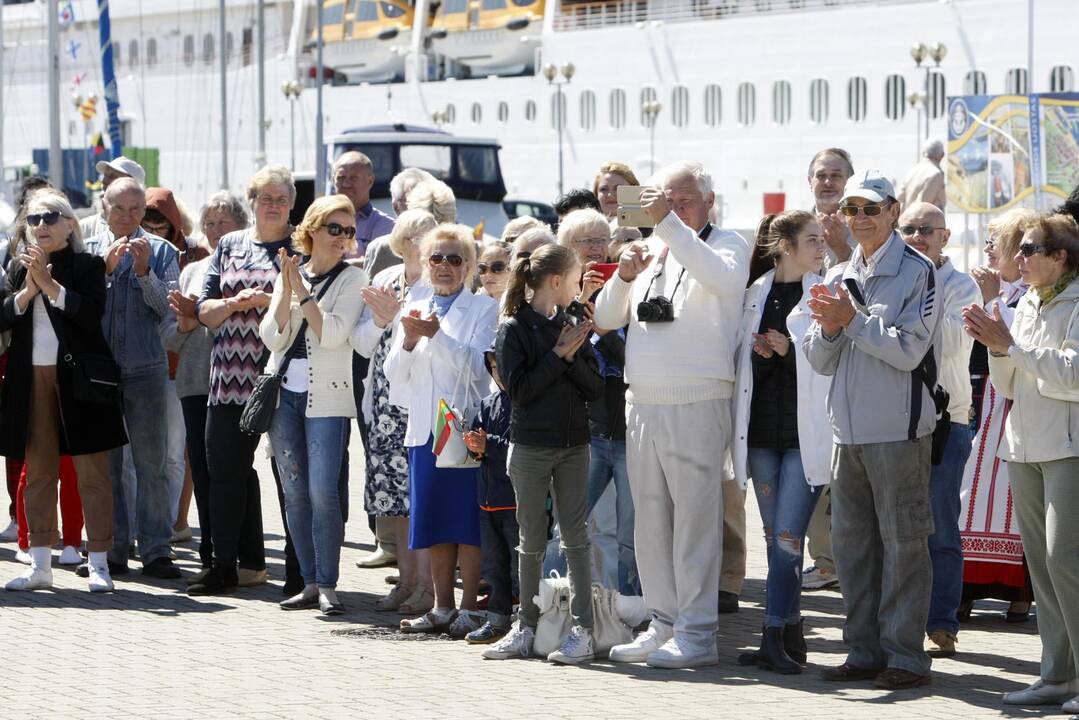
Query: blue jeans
{"x": 146, "y": 418}
{"x": 786, "y": 502}
{"x": 945, "y": 550}
{"x": 308, "y": 452}
{"x": 609, "y": 464}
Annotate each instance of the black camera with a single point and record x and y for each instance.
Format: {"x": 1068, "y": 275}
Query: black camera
{"x": 655, "y": 309}
{"x": 575, "y": 313}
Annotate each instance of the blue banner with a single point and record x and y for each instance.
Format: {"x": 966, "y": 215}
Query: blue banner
{"x": 112, "y": 92}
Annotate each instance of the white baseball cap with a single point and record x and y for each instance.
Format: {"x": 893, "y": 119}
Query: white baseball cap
{"x": 869, "y": 184}
{"x": 124, "y": 166}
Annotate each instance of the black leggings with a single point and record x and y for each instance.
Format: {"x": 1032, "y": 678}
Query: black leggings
{"x": 235, "y": 500}
{"x": 194, "y": 408}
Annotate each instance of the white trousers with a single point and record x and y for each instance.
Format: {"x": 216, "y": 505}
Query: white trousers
{"x": 675, "y": 455}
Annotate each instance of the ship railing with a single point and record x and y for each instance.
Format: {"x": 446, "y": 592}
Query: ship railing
{"x": 605, "y": 13}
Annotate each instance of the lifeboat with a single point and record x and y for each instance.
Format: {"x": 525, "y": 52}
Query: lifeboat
{"x": 489, "y": 37}
{"x": 365, "y": 40}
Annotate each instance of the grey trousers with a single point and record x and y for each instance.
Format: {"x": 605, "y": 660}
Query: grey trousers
{"x": 534, "y": 471}
{"x": 881, "y": 522}
{"x": 1046, "y": 497}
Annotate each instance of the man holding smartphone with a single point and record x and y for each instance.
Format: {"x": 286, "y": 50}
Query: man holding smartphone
{"x": 681, "y": 294}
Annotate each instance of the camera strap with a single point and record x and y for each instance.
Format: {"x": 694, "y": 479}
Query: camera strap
{"x": 662, "y": 263}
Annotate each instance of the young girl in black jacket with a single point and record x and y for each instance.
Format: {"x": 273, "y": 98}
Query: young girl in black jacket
{"x": 550, "y": 371}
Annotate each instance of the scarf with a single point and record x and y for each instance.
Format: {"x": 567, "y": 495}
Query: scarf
{"x": 1045, "y": 294}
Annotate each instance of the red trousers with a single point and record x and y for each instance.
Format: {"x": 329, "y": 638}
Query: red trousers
{"x": 70, "y": 503}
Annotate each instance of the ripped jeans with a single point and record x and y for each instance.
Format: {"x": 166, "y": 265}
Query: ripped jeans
{"x": 786, "y": 502}
{"x": 534, "y": 471}
{"x": 308, "y": 453}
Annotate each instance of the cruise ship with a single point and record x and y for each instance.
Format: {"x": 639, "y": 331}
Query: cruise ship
{"x": 751, "y": 88}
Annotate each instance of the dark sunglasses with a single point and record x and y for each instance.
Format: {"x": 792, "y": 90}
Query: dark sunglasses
{"x": 336, "y": 229}
{"x": 1031, "y": 249}
{"x": 496, "y": 267}
{"x": 869, "y": 210}
{"x": 522, "y": 255}
{"x": 439, "y": 258}
{"x": 50, "y": 218}
{"x": 923, "y": 230}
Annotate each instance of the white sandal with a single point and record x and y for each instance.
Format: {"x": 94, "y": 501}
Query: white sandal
{"x": 429, "y": 622}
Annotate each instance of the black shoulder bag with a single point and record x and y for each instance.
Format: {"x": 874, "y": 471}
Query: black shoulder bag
{"x": 95, "y": 377}
{"x": 259, "y": 409}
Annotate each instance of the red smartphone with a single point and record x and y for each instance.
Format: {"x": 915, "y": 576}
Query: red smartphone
{"x": 606, "y": 269}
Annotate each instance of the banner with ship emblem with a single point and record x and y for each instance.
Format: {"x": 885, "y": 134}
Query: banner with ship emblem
{"x": 1002, "y": 149}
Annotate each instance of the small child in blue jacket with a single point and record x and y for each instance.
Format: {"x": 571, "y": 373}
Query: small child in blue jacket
{"x": 499, "y": 533}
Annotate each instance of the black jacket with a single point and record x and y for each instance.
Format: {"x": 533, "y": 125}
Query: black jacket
{"x": 607, "y": 417}
{"x": 548, "y": 393}
{"x": 773, "y": 414}
{"x": 86, "y": 428}
{"x": 494, "y": 490}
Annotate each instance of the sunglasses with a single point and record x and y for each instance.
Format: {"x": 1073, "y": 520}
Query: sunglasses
{"x": 522, "y": 255}
{"x": 869, "y": 210}
{"x": 923, "y": 230}
{"x": 49, "y": 218}
{"x": 336, "y": 229}
{"x": 439, "y": 258}
{"x": 592, "y": 242}
{"x": 1030, "y": 249}
{"x": 990, "y": 243}
{"x": 496, "y": 267}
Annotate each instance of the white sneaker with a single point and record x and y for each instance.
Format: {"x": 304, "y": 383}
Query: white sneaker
{"x": 70, "y": 556}
{"x": 643, "y": 645}
{"x": 11, "y": 532}
{"x": 814, "y": 578}
{"x": 1043, "y": 693}
{"x": 23, "y": 556}
{"x": 32, "y": 579}
{"x": 516, "y": 643}
{"x": 680, "y": 653}
{"x": 100, "y": 582}
{"x": 578, "y": 647}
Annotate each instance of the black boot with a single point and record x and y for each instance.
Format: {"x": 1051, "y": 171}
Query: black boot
{"x": 773, "y": 656}
{"x": 751, "y": 658}
{"x": 794, "y": 642}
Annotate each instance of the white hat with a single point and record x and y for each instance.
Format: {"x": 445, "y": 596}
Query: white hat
{"x": 124, "y": 166}
{"x": 869, "y": 184}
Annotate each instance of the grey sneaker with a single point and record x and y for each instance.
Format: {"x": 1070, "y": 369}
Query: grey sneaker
{"x": 578, "y": 647}
{"x": 814, "y": 578}
{"x": 517, "y": 643}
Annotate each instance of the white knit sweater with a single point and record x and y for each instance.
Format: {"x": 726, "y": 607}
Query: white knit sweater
{"x": 692, "y": 358}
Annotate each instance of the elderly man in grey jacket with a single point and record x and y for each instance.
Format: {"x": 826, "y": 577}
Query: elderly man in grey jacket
{"x": 876, "y": 332}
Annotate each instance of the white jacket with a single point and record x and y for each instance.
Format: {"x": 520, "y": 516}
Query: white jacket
{"x": 959, "y": 290}
{"x": 814, "y": 427}
{"x": 1044, "y": 359}
{"x": 428, "y": 373}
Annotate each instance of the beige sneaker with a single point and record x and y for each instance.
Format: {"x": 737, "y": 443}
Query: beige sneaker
{"x": 941, "y": 643}
{"x": 251, "y": 578}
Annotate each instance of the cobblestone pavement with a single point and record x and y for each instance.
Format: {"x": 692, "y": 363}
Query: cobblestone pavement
{"x": 149, "y": 651}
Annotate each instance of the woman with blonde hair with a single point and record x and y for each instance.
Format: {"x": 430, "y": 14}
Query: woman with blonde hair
{"x": 605, "y": 186}
{"x": 314, "y": 308}
{"x": 61, "y": 395}
{"x": 494, "y": 268}
{"x": 437, "y": 353}
{"x": 436, "y": 197}
{"x": 386, "y": 492}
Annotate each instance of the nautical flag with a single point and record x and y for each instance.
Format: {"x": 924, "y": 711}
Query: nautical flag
{"x": 477, "y": 232}
{"x": 88, "y": 108}
{"x": 73, "y": 49}
{"x": 67, "y": 16}
{"x": 98, "y": 144}
{"x": 443, "y": 425}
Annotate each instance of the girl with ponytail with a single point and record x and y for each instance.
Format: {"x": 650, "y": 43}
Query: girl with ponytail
{"x": 550, "y": 372}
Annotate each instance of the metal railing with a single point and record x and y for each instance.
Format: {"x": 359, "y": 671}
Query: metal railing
{"x": 591, "y": 15}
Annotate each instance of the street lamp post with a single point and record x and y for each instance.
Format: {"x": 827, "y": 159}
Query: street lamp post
{"x": 919, "y": 52}
{"x": 558, "y": 77}
{"x": 917, "y": 101}
{"x": 292, "y": 90}
{"x": 651, "y": 108}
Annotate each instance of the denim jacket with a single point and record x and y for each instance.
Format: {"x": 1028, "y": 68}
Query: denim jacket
{"x": 135, "y": 305}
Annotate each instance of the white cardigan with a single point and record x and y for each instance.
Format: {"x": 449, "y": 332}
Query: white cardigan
{"x": 428, "y": 372}
{"x": 814, "y": 426}
{"x": 329, "y": 360}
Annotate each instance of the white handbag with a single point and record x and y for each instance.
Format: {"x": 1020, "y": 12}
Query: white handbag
{"x": 556, "y": 620}
{"x": 454, "y": 453}
{"x": 1054, "y": 392}
{"x": 608, "y": 628}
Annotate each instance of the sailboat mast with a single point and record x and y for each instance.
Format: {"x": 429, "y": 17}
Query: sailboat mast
{"x": 56, "y": 163}
{"x": 260, "y": 157}
{"x": 223, "y": 66}
{"x": 3, "y": 182}
{"x": 320, "y": 156}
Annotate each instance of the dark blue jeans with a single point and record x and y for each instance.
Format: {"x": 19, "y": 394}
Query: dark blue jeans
{"x": 609, "y": 465}
{"x": 786, "y": 502}
{"x": 499, "y": 535}
{"x": 945, "y": 550}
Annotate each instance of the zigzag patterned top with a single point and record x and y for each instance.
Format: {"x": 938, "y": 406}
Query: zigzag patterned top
{"x": 238, "y": 354}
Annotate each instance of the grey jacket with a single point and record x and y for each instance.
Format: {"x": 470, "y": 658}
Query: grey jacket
{"x": 872, "y": 361}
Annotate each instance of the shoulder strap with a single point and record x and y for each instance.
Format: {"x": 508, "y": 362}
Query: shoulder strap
{"x": 337, "y": 270}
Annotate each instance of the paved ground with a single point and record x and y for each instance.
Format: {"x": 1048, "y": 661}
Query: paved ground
{"x": 149, "y": 651}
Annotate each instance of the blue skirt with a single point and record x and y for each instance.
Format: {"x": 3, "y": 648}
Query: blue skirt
{"x": 443, "y": 502}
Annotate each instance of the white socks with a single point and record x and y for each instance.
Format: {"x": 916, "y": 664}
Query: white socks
{"x": 100, "y": 581}
{"x": 39, "y": 576}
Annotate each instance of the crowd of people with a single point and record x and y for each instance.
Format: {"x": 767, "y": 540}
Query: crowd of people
{"x": 911, "y": 421}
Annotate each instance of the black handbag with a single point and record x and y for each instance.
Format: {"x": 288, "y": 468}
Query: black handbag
{"x": 258, "y": 411}
{"x": 95, "y": 379}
